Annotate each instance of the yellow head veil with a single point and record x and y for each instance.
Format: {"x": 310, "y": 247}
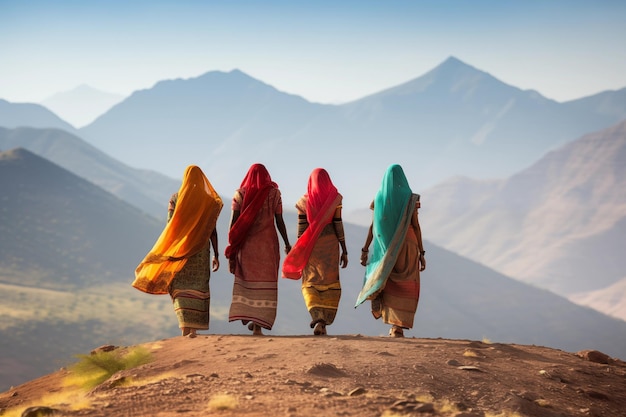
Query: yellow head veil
{"x": 187, "y": 232}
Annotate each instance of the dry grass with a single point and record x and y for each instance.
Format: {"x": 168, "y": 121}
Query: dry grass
{"x": 73, "y": 400}
{"x": 92, "y": 370}
{"x": 223, "y": 402}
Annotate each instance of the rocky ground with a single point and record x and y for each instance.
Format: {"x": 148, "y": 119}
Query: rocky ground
{"x": 349, "y": 375}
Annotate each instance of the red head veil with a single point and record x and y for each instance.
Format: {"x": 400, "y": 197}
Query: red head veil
{"x": 322, "y": 200}
{"x": 256, "y": 185}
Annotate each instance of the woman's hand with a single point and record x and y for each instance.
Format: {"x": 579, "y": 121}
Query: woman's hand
{"x": 343, "y": 262}
{"x": 422, "y": 262}
{"x": 287, "y": 249}
{"x": 216, "y": 263}
{"x": 364, "y": 254}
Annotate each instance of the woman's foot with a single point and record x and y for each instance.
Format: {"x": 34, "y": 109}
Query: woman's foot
{"x": 189, "y": 332}
{"x": 255, "y": 329}
{"x": 396, "y": 331}
{"x": 320, "y": 328}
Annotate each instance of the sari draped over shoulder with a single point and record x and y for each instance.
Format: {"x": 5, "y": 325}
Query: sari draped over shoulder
{"x": 322, "y": 199}
{"x": 253, "y": 249}
{"x": 393, "y": 209}
{"x": 185, "y": 235}
{"x": 256, "y": 186}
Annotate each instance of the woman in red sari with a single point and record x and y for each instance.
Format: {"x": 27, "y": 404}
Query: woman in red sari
{"x": 253, "y": 253}
{"x": 315, "y": 256}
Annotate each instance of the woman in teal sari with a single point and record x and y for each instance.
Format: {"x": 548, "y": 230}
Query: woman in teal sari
{"x": 392, "y": 275}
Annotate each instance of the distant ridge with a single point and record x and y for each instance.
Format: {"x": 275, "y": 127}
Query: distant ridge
{"x": 559, "y": 224}
{"x": 58, "y": 226}
{"x": 146, "y": 190}
{"x": 14, "y": 115}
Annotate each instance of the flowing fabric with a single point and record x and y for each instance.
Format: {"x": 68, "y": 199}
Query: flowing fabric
{"x": 186, "y": 234}
{"x": 393, "y": 209}
{"x": 322, "y": 199}
{"x": 256, "y": 185}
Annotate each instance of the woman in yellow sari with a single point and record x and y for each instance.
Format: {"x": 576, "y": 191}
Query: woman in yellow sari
{"x": 315, "y": 256}
{"x": 179, "y": 262}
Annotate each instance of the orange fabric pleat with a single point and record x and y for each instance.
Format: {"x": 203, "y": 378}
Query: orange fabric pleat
{"x": 187, "y": 232}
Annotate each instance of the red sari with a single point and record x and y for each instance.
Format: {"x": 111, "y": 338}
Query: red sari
{"x": 253, "y": 247}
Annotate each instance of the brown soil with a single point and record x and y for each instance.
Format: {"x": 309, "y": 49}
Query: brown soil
{"x": 348, "y": 375}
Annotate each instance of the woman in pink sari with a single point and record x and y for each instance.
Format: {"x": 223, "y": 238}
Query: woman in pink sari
{"x": 253, "y": 253}
{"x": 315, "y": 256}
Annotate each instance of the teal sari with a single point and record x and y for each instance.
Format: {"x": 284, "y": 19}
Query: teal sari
{"x": 393, "y": 209}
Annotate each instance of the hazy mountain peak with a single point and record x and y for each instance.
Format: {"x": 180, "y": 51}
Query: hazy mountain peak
{"x": 82, "y": 104}
{"x": 453, "y": 62}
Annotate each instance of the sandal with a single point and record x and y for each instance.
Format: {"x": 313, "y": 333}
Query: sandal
{"x": 320, "y": 328}
{"x": 396, "y": 331}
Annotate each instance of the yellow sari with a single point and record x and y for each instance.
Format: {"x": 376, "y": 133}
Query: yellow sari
{"x": 186, "y": 234}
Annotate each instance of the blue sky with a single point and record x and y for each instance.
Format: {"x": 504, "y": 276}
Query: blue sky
{"x": 326, "y": 51}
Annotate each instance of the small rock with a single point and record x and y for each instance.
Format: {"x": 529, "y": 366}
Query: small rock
{"x": 597, "y": 395}
{"x": 594, "y": 356}
{"x": 453, "y": 362}
{"x": 38, "y": 411}
{"x": 424, "y": 408}
{"x": 326, "y": 369}
{"x": 104, "y": 348}
{"x": 469, "y": 368}
{"x": 357, "y": 391}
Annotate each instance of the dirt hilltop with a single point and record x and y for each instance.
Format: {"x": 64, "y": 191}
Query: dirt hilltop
{"x": 348, "y": 375}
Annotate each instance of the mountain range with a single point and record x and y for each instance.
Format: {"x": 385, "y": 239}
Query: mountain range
{"x": 68, "y": 250}
{"x": 559, "y": 224}
{"x": 453, "y": 120}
